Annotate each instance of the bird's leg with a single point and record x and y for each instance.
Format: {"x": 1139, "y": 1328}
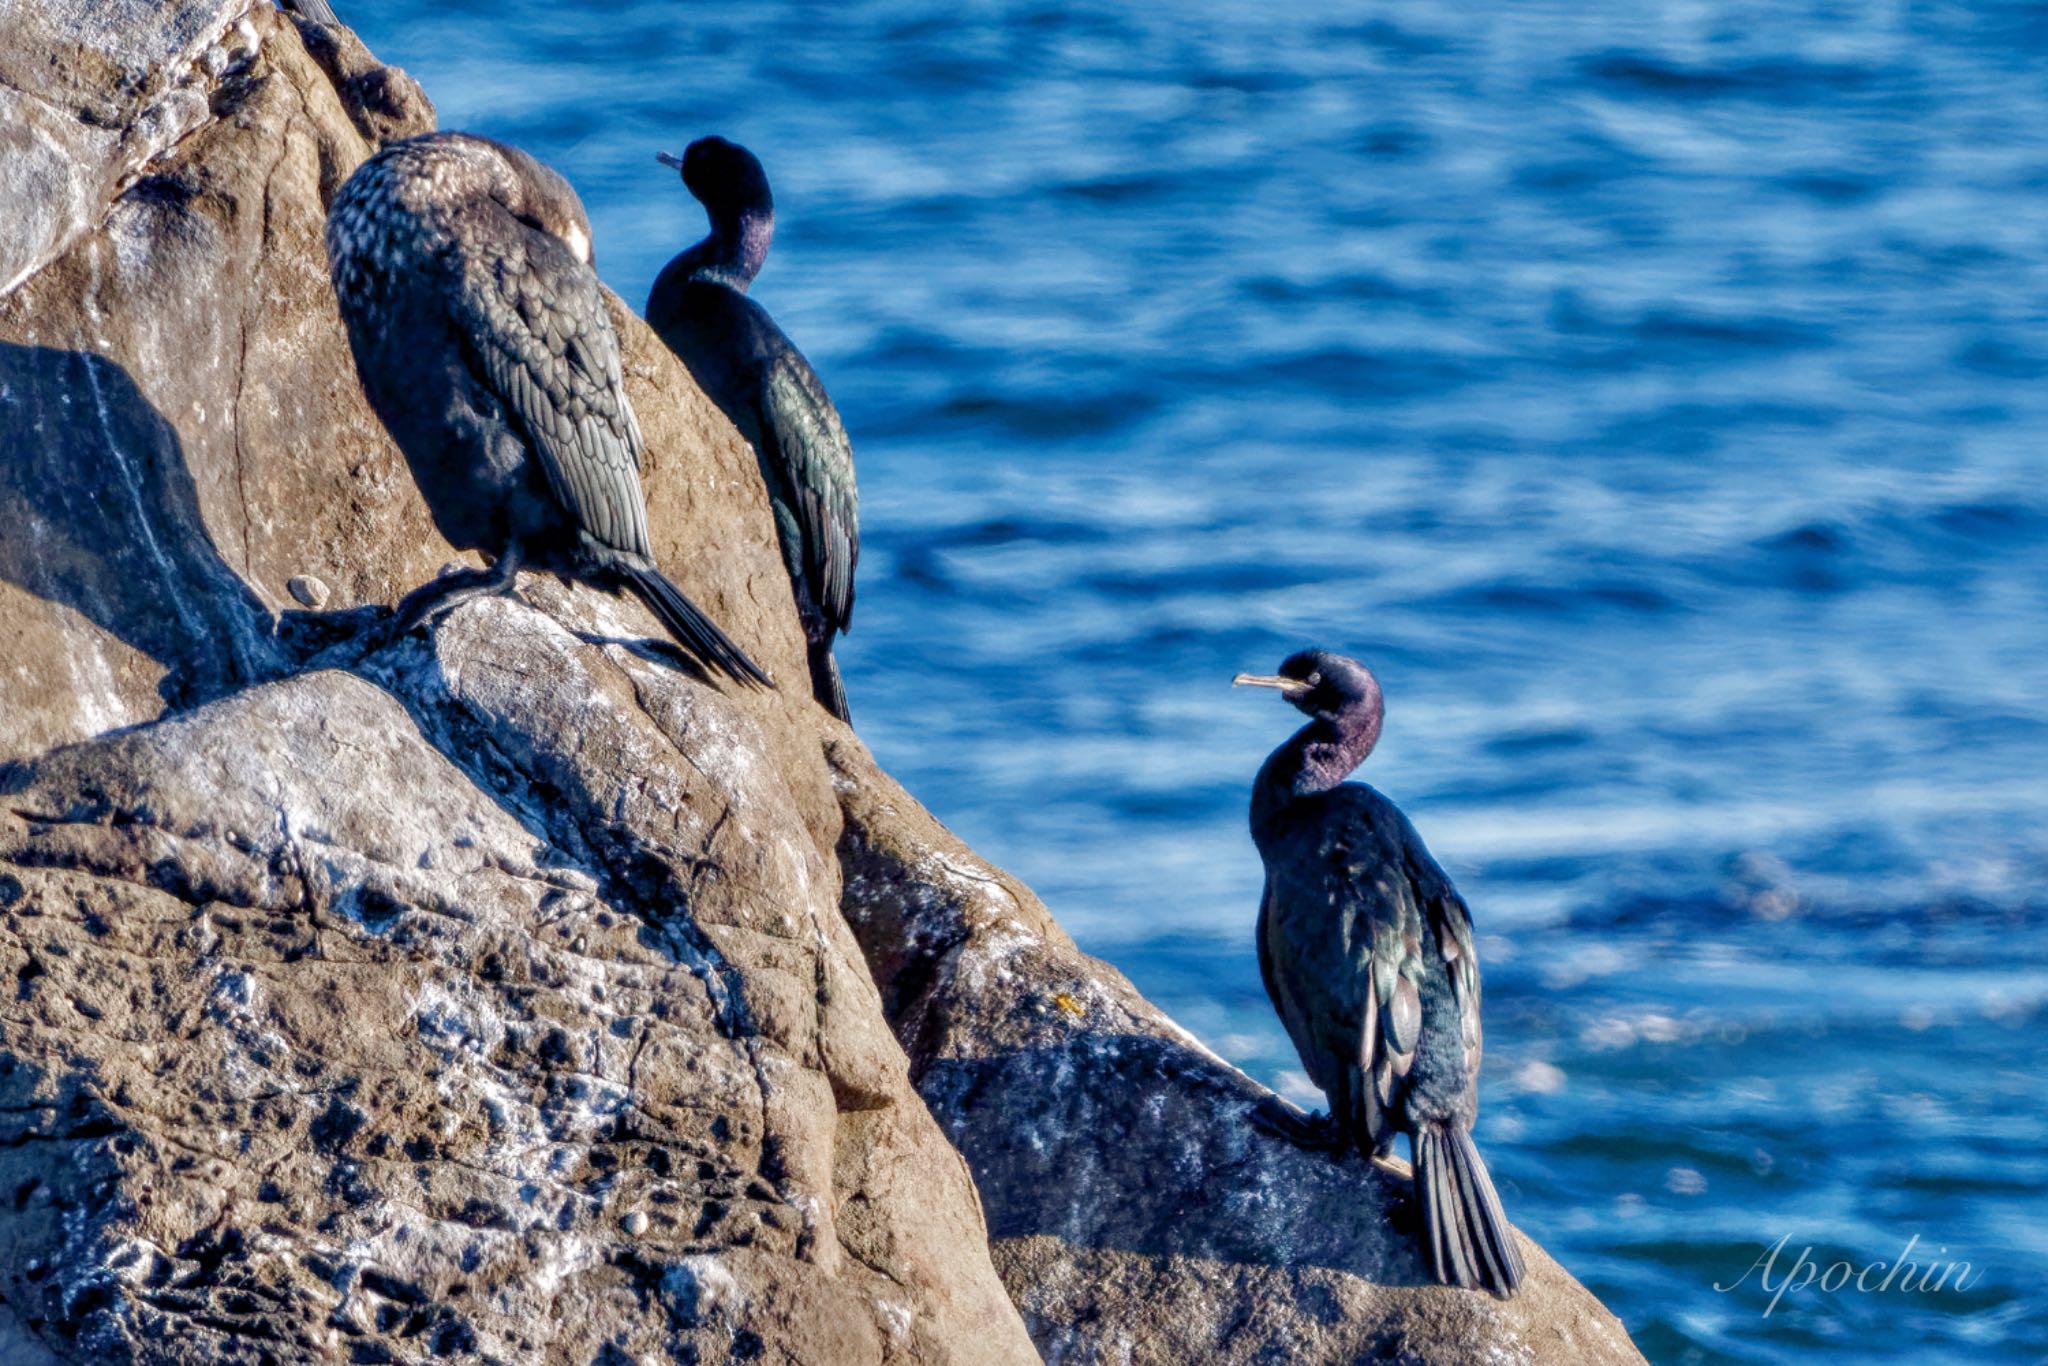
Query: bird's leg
{"x": 503, "y": 576}
{"x": 1318, "y": 1133}
{"x": 433, "y": 600}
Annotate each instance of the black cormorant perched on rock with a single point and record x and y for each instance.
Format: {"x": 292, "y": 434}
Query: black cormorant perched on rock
{"x": 765, "y": 386}
{"x": 480, "y": 333}
{"x": 1367, "y": 951}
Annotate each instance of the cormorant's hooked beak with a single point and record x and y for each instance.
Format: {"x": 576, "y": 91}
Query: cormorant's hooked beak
{"x": 1290, "y": 687}
{"x": 669, "y": 159}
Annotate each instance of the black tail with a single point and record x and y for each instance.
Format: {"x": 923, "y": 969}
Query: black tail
{"x": 318, "y": 10}
{"x": 696, "y": 633}
{"x": 1465, "y": 1236}
{"x": 825, "y": 682}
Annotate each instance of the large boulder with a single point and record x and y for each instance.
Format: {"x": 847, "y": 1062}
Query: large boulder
{"x": 185, "y": 434}
{"x": 489, "y": 1002}
{"x": 512, "y": 993}
{"x": 89, "y": 91}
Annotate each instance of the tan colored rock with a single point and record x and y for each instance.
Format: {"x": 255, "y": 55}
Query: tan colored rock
{"x": 492, "y": 1006}
{"x": 185, "y": 430}
{"x": 90, "y": 90}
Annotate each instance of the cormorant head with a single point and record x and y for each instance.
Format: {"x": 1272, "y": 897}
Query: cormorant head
{"x": 541, "y": 198}
{"x": 1332, "y": 687}
{"x": 726, "y": 178}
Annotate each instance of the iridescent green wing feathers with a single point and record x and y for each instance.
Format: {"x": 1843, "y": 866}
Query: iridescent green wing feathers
{"x": 816, "y": 467}
{"x": 1451, "y": 922}
{"x": 1345, "y": 941}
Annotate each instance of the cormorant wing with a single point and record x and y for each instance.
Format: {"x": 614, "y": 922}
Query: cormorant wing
{"x": 534, "y": 319}
{"x": 1341, "y": 944}
{"x": 816, "y": 463}
{"x": 1451, "y": 921}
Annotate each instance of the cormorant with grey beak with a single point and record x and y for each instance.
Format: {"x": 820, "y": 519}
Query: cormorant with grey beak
{"x": 480, "y": 333}
{"x": 764, "y": 385}
{"x": 1367, "y": 951}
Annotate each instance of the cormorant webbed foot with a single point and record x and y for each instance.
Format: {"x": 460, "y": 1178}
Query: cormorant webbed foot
{"x": 432, "y": 601}
{"x": 435, "y": 599}
{"x": 1315, "y": 1133}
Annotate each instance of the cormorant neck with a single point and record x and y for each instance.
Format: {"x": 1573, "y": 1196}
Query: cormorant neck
{"x": 1314, "y": 759}
{"x": 735, "y": 251}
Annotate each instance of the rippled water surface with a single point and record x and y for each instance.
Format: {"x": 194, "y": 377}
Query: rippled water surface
{"x": 1654, "y": 394}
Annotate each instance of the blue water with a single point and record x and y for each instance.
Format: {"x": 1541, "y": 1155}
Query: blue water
{"x": 1654, "y": 395}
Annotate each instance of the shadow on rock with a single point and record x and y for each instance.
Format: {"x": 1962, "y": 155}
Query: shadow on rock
{"x": 59, "y": 1176}
{"x": 659, "y": 652}
{"x": 1127, "y": 1142}
{"x": 98, "y": 512}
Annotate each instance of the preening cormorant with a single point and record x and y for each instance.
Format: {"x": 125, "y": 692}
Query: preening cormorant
{"x": 1367, "y": 951}
{"x": 756, "y": 375}
{"x": 480, "y": 333}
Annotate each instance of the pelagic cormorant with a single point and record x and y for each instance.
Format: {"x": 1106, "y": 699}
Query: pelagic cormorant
{"x": 1367, "y": 951}
{"x": 754, "y": 373}
{"x": 480, "y": 333}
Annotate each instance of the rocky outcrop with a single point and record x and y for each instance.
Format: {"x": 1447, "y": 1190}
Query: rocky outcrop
{"x": 89, "y": 91}
{"x": 511, "y": 993}
{"x": 185, "y": 432}
{"x": 491, "y": 1002}
{"x": 487, "y": 1002}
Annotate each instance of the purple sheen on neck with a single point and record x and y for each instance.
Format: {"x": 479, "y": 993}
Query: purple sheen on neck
{"x": 1331, "y": 749}
{"x": 756, "y": 229}
{"x": 1318, "y": 757}
{"x": 733, "y": 253}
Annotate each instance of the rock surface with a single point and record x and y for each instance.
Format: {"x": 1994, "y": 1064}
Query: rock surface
{"x": 496, "y": 996}
{"x": 185, "y": 432}
{"x": 489, "y": 1003}
{"x": 89, "y": 91}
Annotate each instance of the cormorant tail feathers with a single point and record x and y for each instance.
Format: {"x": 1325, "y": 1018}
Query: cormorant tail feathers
{"x": 1465, "y": 1234}
{"x": 826, "y": 684}
{"x": 317, "y": 10}
{"x": 696, "y": 633}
